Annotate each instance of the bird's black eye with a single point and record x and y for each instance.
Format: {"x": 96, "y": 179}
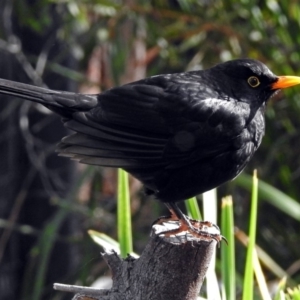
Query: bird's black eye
{"x": 253, "y": 81}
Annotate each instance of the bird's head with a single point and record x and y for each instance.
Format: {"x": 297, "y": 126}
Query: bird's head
{"x": 251, "y": 81}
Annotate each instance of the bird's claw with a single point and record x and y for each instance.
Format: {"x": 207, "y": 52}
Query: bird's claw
{"x": 198, "y": 229}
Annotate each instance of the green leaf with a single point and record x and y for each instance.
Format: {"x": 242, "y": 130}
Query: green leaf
{"x": 107, "y": 242}
{"x": 274, "y": 196}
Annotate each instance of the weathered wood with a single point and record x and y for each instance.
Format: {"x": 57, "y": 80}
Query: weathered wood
{"x": 170, "y": 267}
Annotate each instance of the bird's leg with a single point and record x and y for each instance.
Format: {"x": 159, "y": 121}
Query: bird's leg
{"x": 185, "y": 221}
{"x": 172, "y": 217}
{"x": 194, "y": 227}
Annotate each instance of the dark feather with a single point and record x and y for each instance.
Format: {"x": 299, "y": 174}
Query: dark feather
{"x": 180, "y": 134}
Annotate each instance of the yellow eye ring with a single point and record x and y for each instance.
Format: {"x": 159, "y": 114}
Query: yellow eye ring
{"x": 253, "y": 81}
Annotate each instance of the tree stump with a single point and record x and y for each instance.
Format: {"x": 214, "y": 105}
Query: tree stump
{"x": 170, "y": 267}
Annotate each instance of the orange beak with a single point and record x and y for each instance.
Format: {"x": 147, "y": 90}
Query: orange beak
{"x": 285, "y": 81}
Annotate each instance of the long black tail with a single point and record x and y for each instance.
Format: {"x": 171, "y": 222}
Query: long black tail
{"x": 63, "y": 103}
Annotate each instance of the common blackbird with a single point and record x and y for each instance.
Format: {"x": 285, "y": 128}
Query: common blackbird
{"x": 179, "y": 134}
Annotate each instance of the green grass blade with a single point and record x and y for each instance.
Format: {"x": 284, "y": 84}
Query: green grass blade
{"x": 192, "y": 208}
{"x": 280, "y": 289}
{"x": 293, "y": 293}
{"x": 228, "y": 252}
{"x": 104, "y": 240}
{"x": 45, "y": 247}
{"x": 124, "y": 214}
{"x": 273, "y": 196}
{"x": 42, "y": 250}
{"x": 264, "y": 257}
{"x": 248, "y": 278}
{"x": 107, "y": 242}
{"x": 260, "y": 278}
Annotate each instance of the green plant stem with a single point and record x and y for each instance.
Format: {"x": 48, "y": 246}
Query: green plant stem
{"x": 192, "y": 208}
{"x": 248, "y": 278}
{"x": 124, "y": 214}
{"x": 228, "y": 251}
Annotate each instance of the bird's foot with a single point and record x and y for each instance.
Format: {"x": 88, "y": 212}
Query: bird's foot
{"x": 173, "y": 226}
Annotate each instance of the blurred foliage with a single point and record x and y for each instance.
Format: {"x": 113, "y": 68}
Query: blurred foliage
{"x": 141, "y": 38}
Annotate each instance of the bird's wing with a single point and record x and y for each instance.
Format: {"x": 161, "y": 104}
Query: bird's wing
{"x": 153, "y": 123}
{"x": 124, "y": 130}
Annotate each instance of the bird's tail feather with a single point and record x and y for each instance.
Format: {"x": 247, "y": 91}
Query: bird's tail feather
{"x": 60, "y": 102}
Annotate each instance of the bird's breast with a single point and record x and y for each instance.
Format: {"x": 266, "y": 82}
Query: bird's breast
{"x": 247, "y": 142}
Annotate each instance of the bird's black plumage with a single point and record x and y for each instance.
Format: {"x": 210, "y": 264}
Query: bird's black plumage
{"x": 180, "y": 134}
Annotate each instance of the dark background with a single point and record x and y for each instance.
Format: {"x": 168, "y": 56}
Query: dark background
{"x": 47, "y": 203}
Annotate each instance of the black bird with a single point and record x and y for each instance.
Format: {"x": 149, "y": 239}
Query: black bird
{"x": 179, "y": 134}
